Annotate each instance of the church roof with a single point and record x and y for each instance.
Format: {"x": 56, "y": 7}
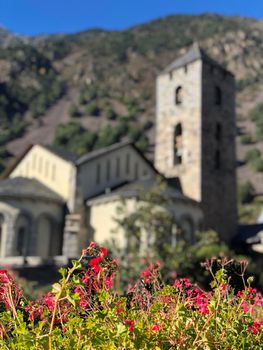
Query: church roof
{"x": 133, "y": 189}
{"x": 62, "y": 153}
{"x": 193, "y": 54}
{"x": 27, "y": 188}
{"x": 101, "y": 152}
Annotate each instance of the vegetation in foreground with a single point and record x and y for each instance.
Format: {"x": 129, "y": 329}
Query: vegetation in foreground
{"x": 85, "y": 311}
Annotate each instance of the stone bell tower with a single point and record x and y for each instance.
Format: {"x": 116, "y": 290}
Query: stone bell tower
{"x": 195, "y": 135}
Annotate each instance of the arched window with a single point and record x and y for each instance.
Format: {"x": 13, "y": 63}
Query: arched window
{"x": 179, "y": 95}
{"x": 21, "y": 241}
{"x": 218, "y": 96}
{"x": 178, "y": 144}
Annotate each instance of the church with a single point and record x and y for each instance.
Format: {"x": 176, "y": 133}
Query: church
{"x": 52, "y": 203}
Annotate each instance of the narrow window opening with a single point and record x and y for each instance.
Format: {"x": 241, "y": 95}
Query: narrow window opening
{"x": 34, "y": 162}
{"x": 46, "y": 168}
{"x": 136, "y": 170}
{"x": 40, "y": 165}
{"x": 98, "y": 174}
{"x": 179, "y": 95}
{"x": 53, "y": 172}
{"x": 186, "y": 69}
{"x": 118, "y": 167}
{"x": 171, "y": 75}
{"x": 218, "y": 96}
{"x": 217, "y": 160}
{"x": 218, "y": 134}
{"x": 178, "y": 145}
{"x": 108, "y": 170}
{"x": 128, "y": 163}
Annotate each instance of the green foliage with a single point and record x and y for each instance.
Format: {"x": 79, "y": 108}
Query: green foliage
{"x": 246, "y": 139}
{"x": 93, "y": 109}
{"x": 246, "y": 192}
{"x": 73, "y": 111}
{"x": 84, "y": 310}
{"x": 255, "y": 159}
{"x": 75, "y": 138}
{"x": 42, "y": 88}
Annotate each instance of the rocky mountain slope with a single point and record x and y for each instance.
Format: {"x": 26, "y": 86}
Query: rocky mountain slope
{"x": 101, "y": 84}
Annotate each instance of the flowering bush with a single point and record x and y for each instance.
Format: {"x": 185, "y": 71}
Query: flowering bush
{"x": 84, "y": 311}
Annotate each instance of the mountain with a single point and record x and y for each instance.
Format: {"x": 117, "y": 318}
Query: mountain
{"x": 90, "y": 89}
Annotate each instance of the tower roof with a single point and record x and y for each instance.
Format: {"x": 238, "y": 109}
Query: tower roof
{"x": 195, "y": 53}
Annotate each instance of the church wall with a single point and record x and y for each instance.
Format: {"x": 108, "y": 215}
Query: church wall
{"x": 51, "y": 170}
{"x": 103, "y": 213}
{"x": 19, "y": 212}
{"x": 110, "y": 170}
{"x": 188, "y": 114}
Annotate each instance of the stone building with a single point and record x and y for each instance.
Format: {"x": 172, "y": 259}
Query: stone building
{"x": 52, "y": 203}
{"x": 195, "y": 135}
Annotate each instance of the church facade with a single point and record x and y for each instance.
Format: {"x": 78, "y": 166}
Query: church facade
{"x": 52, "y": 203}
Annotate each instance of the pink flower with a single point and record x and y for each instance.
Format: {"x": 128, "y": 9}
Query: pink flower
{"x": 49, "y": 301}
{"x": 255, "y": 326}
{"x": 108, "y": 282}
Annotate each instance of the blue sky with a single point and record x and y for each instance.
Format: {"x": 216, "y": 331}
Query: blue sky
{"x": 65, "y": 16}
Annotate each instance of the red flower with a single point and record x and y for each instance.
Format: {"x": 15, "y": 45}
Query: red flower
{"x": 104, "y": 252}
{"x": 95, "y": 261}
{"x": 156, "y": 328}
{"x": 120, "y": 310}
{"x": 131, "y": 324}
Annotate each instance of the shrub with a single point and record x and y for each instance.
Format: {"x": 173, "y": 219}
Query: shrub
{"x": 84, "y": 312}
{"x": 245, "y": 192}
{"x": 258, "y": 164}
{"x": 92, "y": 109}
{"x": 73, "y": 111}
{"x": 246, "y": 139}
{"x": 252, "y": 154}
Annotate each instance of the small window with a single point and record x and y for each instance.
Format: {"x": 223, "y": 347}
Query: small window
{"x": 34, "y": 162}
{"x": 179, "y": 95}
{"x": 217, "y": 160}
{"x": 40, "y": 164}
{"x": 178, "y": 144}
{"x": 118, "y": 163}
{"x": 186, "y": 69}
{"x": 46, "y": 168}
{"x": 171, "y": 75}
{"x": 98, "y": 174}
{"x": 108, "y": 170}
{"x": 218, "y": 134}
{"x": 53, "y": 172}
{"x": 128, "y": 163}
{"x": 218, "y": 96}
{"x": 136, "y": 170}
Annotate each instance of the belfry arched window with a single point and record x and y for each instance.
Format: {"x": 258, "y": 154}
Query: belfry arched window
{"x": 178, "y": 144}
{"x": 179, "y": 95}
{"x": 218, "y": 96}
